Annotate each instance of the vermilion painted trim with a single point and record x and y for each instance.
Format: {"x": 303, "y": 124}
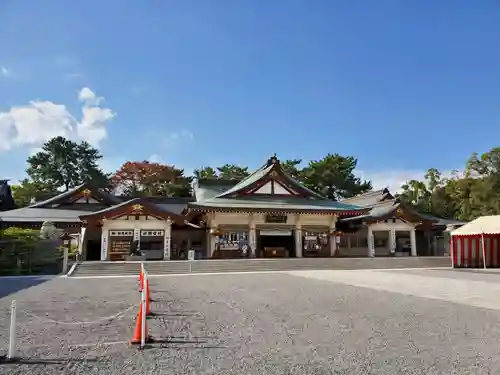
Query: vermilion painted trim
{"x": 259, "y": 183}
{"x": 148, "y": 209}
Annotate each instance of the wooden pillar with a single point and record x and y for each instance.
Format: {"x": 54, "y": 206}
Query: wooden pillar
{"x": 252, "y": 235}
{"x": 332, "y": 238}
{"x": 298, "y": 241}
{"x": 413, "y": 242}
{"x": 371, "y": 243}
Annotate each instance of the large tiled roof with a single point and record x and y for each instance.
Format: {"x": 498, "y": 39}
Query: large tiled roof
{"x": 233, "y": 195}
{"x": 46, "y": 203}
{"x": 29, "y": 214}
{"x": 370, "y": 198}
{"x": 178, "y": 218}
{"x": 290, "y": 204}
{"x": 206, "y": 189}
{"x": 383, "y": 204}
{"x": 261, "y": 173}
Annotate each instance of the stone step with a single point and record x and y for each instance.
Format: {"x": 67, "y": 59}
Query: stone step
{"x": 249, "y": 265}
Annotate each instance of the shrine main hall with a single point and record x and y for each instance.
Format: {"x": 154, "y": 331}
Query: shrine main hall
{"x": 269, "y": 214}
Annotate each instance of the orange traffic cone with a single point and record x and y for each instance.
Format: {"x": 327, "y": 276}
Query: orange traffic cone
{"x": 136, "y": 338}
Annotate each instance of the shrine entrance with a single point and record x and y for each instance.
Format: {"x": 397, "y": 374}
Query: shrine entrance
{"x": 276, "y": 244}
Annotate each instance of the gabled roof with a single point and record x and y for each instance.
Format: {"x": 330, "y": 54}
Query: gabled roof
{"x": 269, "y": 188}
{"x": 393, "y": 208}
{"x": 136, "y": 206}
{"x": 271, "y": 171}
{"x": 370, "y": 198}
{"x": 383, "y": 204}
{"x": 177, "y": 205}
{"x": 76, "y": 193}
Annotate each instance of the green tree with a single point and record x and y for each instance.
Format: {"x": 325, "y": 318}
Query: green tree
{"x": 206, "y": 173}
{"x": 63, "y": 163}
{"x": 333, "y": 176}
{"x": 463, "y": 196}
{"x": 28, "y": 192}
{"x": 232, "y": 172}
{"x": 416, "y": 194}
{"x": 290, "y": 166}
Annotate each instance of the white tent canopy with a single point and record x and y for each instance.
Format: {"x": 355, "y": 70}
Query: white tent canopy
{"x": 482, "y": 225}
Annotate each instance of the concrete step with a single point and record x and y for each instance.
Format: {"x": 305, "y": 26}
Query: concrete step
{"x": 249, "y": 265}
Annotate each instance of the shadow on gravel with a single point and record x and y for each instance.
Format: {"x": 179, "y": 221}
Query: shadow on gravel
{"x": 184, "y": 343}
{"x": 13, "y": 285}
{"x": 47, "y": 361}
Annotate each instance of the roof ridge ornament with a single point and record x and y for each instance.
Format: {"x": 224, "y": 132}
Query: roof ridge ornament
{"x": 273, "y": 160}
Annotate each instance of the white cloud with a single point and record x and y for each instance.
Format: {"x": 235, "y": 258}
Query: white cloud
{"x": 111, "y": 164}
{"x": 183, "y": 135}
{"x": 394, "y": 179}
{"x": 87, "y": 96}
{"x": 5, "y": 72}
{"x": 35, "y": 123}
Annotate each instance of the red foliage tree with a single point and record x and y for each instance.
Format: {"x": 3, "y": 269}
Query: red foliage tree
{"x": 147, "y": 179}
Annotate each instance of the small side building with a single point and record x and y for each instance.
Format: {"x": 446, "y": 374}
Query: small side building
{"x": 392, "y": 228}
{"x": 107, "y": 226}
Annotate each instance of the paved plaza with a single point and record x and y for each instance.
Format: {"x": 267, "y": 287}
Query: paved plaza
{"x": 430, "y": 321}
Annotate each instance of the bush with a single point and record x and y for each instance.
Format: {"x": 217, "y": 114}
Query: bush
{"x": 22, "y": 252}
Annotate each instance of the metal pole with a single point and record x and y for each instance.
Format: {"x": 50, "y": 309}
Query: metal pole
{"x": 143, "y": 317}
{"x": 12, "y": 337}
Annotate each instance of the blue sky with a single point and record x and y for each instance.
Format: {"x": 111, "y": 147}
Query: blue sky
{"x": 401, "y": 85}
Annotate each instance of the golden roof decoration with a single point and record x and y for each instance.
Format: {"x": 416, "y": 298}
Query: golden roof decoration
{"x": 137, "y": 207}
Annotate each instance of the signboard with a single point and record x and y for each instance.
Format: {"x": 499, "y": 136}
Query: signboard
{"x": 120, "y": 246}
{"x": 191, "y": 254}
{"x": 276, "y": 219}
{"x": 276, "y": 233}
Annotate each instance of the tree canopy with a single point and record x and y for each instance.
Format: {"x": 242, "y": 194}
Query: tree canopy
{"x": 150, "y": 179}
{"x": 464, "y": 196}
{"x": 63, "y": 164}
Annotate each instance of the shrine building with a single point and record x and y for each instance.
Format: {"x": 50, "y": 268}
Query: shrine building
{"x": 266, "y": 215}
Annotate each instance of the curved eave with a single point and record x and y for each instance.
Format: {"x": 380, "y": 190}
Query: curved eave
{"x": 278, "y": 210}
{"x": 123, "y": 209}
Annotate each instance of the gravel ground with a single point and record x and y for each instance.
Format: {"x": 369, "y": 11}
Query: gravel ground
{"x": 246, "y": 324}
